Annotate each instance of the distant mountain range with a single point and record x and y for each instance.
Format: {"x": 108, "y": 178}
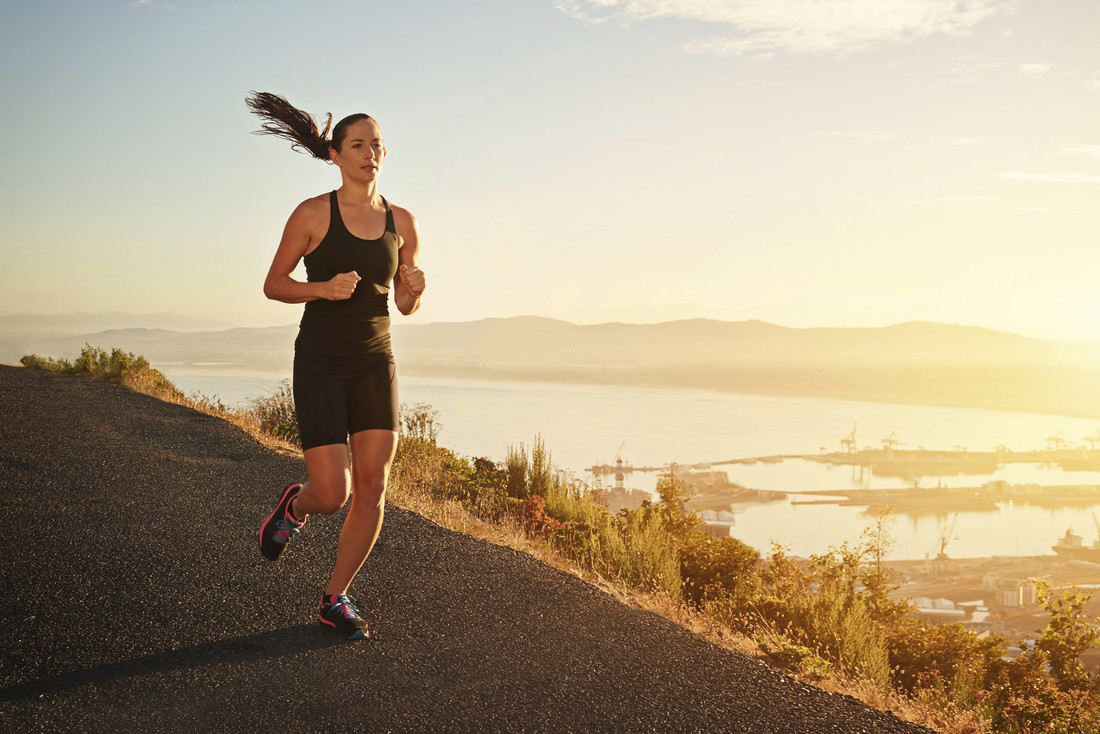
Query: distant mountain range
{"x": 41, "y": 325}
{"x": 913, "y": 362}
{"x": 703, "y": 342}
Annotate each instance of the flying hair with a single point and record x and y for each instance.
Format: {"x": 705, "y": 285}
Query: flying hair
{"x": 284, "y": 120}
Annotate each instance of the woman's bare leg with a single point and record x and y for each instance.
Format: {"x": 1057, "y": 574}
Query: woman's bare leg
{"x": 329, "y": 484}
{"x": 372, "y": 455}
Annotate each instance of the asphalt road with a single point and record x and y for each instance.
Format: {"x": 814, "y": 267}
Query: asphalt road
{"x": 133, "y": 597}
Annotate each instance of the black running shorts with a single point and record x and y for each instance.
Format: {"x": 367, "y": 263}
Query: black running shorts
{"x": 338, "y": 396}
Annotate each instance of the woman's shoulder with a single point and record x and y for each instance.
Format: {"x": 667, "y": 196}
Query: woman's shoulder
{"x": 314, "y": 209}
{"x": 401, "y": 215}
{"x": 321, "y": 202}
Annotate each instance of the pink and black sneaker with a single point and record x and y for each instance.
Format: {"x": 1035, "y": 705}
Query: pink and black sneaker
{"x": 280, "y": 527}
{"x": 340, "y": 616}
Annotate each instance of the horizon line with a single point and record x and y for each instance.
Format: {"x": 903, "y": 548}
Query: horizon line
{"x": 229, "y": 326}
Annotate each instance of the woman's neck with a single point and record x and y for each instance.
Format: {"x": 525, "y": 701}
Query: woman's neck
{"x": 358, "y": 193}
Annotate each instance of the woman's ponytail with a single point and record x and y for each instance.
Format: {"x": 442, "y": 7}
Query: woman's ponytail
{"x": 286, "y": 121}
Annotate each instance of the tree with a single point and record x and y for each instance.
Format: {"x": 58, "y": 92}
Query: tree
{"x": 516, "y": 469}
{"x": 674, "y": 493}
{"x": 1068, "y": 634}
{"x": 421, "y": 420}
{"x": 876, "y": 542}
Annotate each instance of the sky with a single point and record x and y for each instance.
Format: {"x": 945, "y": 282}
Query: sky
{"x": 804, "y": 162}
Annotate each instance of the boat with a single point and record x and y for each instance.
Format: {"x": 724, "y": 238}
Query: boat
{"x": 1072, "y": 546}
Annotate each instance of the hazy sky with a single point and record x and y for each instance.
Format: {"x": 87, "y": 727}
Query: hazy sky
{"x": 807, "y": 162}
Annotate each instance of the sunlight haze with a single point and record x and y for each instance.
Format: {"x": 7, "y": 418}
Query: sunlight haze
{"x": 838, "y": 163}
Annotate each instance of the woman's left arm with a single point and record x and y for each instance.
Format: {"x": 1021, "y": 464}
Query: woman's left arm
{"x": 409, "y": 283}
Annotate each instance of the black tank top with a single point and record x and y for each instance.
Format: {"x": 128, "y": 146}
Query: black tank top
{"x": 360, "y": 325}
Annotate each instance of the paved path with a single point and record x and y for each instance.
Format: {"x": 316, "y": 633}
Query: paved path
{"x": 133, "y": 597}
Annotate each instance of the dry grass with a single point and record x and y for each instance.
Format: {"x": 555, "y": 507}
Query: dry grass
{"x": 925, "y": 710}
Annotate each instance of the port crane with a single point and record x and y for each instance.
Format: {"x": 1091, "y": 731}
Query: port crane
{"x": 1057, "y": 442}
{"x": 848, "y": 443}
{"x": 620, "y": 475}
{"x": 945, "y": 537}
{"x": 891, "y": 442}
{"x": 1093, "y": 439}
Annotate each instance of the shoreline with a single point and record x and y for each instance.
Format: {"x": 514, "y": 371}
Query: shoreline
{"x": 626, "y": 378}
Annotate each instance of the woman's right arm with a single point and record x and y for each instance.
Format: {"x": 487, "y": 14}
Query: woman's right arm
{"x": 298, "y": 235}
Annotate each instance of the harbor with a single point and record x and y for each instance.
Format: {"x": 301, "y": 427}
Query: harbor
{"x": 986, "y": 497}
{"x": 911, "y": 465}
{"x": 896, "y": 462}
{"x": 1009, "y": 502}
{"x": 990, "y": 594}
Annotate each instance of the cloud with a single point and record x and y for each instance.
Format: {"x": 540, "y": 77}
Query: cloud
{"x": 859, "y": 136}
{"x": 1050, "y": 177}
{"x": 969, "y": 199}
{"x": 576, "y": 9}
{"x": 152, "y": 3}
{"x": 762, "y": 27}
{"x": 972, "y": 70}
{"x": 1090, "y": 150}
{"x": 1034, "y": 70}
{"x": 999, "y": 204}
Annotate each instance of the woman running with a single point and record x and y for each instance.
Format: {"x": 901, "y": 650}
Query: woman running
{"x": 354, "y": 244}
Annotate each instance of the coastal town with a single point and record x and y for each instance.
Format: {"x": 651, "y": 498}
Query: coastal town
{"x": 993, "y": 595}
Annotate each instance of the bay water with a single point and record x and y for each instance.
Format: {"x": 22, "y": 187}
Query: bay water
{"x": 586, "y": 425}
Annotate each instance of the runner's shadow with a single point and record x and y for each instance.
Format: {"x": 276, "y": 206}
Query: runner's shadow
{"x": 261, "y": 646}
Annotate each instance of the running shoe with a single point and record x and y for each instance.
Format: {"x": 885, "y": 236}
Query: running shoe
{"x": 280, "y": 527}
{"x": 340, "y": 616}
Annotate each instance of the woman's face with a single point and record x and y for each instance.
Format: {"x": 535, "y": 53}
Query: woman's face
{"x": 361, "y": 154}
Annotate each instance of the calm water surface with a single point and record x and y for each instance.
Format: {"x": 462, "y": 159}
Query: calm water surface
{"x": 584, "y": 425}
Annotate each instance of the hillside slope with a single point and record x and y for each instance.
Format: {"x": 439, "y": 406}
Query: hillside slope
{"x": 133, "y": 596}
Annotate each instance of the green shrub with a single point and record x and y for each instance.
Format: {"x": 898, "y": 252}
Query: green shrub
{"x": 484, "y": 490}
{"x": 839, "y": 627}
{"x": 530, "y": 472}
{"x": 125, "y": 368}
{"x": 647, "y": 558}
{"x": 795, "y": 657}
{"x": 673, "y": 494}
{"x": 276, "y": 413}
{"x": 49, "y": 364}
{"x": 946, "y": 658}
{"x": 1022, "y": 698}
{"x": 517, "y": 467}
{"x": 1068, "y": 634}
{"x": 419, "y": 466}
{"x": 420, "y": 420}
{"x": 712, "y": 568}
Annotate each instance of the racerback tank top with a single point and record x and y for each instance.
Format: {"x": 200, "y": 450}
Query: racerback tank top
{"x": 360, "y": 325}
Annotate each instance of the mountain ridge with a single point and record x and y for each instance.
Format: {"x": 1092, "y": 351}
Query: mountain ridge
{"x": 909, "y": 362}
{"x": 536, "y": 340}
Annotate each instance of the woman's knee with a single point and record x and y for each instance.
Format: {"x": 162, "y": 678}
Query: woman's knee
{"x": 329, "y": 485}
{"x": 329, "y": 494}
{"x": 371, "y": 487}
